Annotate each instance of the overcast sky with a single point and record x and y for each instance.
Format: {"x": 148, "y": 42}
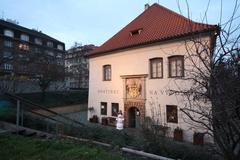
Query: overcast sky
{"x": 95, "y": 21}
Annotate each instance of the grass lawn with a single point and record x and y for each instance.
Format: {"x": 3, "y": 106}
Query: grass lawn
{"x": 13, "y": 147}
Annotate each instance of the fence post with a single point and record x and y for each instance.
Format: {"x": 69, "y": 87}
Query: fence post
{"x": 56, "y": 129}
{"x": 47, "y": 126}
{"x": 21, "y": 109}
{"x": 17, "y": 116}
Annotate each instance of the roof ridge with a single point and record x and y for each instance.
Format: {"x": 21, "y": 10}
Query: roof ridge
{"x": 19, "y": 27}
{"x": 159, "y": 28}
{"x": 179, "y": 15}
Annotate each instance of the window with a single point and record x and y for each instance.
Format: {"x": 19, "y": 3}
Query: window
{"x": 176, "y": 66}
{"x": 8, "y": 66}
{"x": 50, "y": 53}
{"x": 38, "y": 41}
{"x": 24, "y": 47}
{"x": 136, "y": 32}
{"x": 60, "y": 47}
{"x": 103, "y": 108}
{"x": 7, "y": 54}
{"x": 107, "y": 72}
{"x": 8, "y": 33}
{"x": 115, "y": 109}
{"x": 156, "y": 67}
{"x": 172, "y": 114}
{"x": 59, "y": 55}
{"x": 24, "y": 37}
{"x": 37, "y": 50}
{"x": 50, "y": 44}
{"x": 8, "y": 43}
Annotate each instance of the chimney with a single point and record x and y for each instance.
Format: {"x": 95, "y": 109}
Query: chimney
{"x": 146, "y": 6}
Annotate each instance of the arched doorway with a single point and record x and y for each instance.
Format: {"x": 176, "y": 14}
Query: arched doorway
{"x": 133, "y": 117}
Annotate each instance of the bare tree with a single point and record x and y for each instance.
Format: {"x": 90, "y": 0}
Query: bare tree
{"x": 49, "y": 73}
{"x": 213, "y": 100}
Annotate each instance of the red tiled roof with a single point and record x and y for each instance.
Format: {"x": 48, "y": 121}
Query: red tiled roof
{"x": 157, "y": 23}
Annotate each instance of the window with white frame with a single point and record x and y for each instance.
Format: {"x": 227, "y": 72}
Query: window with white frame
{"x": 60, "y": 47}
{"x": 38, "y": 41}
{"x": 50, "y": 44}
{"x": 8, "y": 33}
{"x": 24, "y": 37}
{"x": 8, "y": 43}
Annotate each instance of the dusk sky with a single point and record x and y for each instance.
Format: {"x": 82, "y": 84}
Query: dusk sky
{"x": 95, "y": 21}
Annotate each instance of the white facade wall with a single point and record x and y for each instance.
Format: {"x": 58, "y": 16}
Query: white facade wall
{"x": 135, "y": 62}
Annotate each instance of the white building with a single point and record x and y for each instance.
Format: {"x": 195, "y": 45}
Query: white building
{"x": 76, "y": 66}
{"x": 135, "y": 69}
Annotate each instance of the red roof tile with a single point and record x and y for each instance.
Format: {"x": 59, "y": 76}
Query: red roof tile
{"x": 157, "y": 23}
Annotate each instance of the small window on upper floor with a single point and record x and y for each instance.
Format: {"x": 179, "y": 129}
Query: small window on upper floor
{"x": 38, "y": 41}
{"x": 24, "y": 47}
{"x": 50, "y": 44}
{"x": 8, "y": 33}
{"x": 24, "y": 37}
{"x": 7, "y": 54}
{"x": 8, "y": 66}
{"x": 176, "y": 66}
{"x": 8, "y": 43}
{"x": 49, "y": 53}
{"x": 107, "y": 72}
{"x": 156, "y": 68}
{"x": 59, "y": 55}
{"x": 60, "y": 47}
{"x": 37, "y": 50}
{"x": 136, "y": 32}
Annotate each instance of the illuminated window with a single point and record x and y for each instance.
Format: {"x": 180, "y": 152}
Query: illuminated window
{"x": 156, "y": 67}
{"x": 24, "y": 37}
{"x": 176, "y": 66}
{"x": 8, "y": 33}
{"x": 115, "y": 109}
{"x": 24, "y": 47}
{"x": 103, "y": 108}
{"x": 38, "y": 41}
{"x": 50, "y": 44}
{"x": 172, "y": 114}
{"x": 8, "y": 43}
{"x": 107, "y": 72}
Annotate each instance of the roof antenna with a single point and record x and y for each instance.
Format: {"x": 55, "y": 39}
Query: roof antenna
{"x": 2, "y": 15}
